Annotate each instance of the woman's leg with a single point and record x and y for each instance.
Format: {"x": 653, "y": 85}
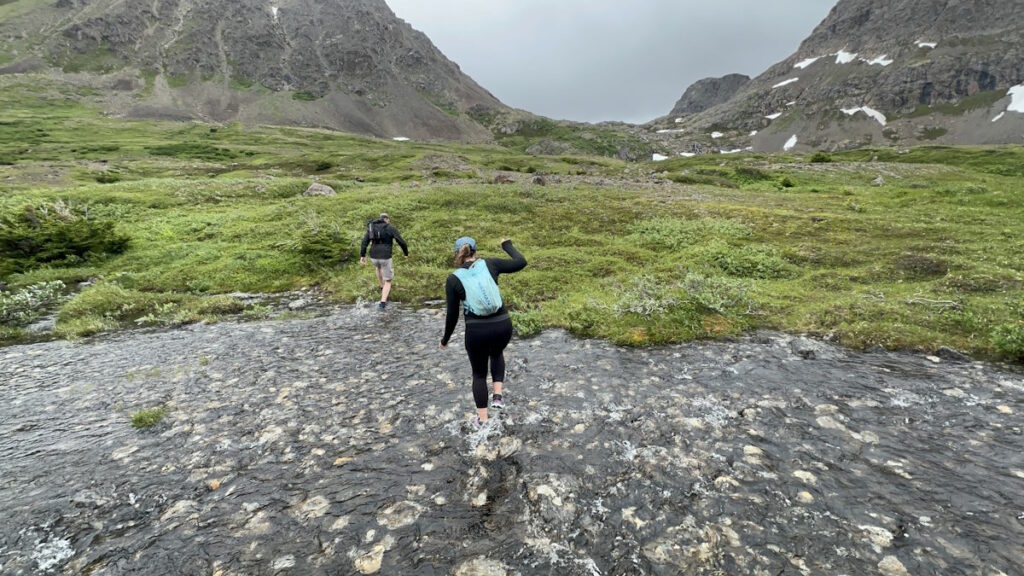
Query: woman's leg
{"x": 501, "y": 337}
{"x": 477, "y": 348}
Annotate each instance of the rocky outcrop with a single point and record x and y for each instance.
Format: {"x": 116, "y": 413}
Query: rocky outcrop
{"x": 704, "y": 94}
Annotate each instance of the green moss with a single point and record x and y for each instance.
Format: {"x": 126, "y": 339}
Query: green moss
{"x": 149, "y": 417}
{"x": 933, "y": 133}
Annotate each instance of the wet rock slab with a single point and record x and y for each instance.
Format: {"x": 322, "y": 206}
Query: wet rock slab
{"x": 338, "y": 445}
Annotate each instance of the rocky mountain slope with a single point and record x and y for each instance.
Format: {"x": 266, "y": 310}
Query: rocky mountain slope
{"x": 708, "y": 92}
{"x": 880, "y": 72}
{"x": 343, "y": 64}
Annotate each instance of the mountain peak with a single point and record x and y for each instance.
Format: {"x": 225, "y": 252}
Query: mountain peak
{"x": 344, "y": 64}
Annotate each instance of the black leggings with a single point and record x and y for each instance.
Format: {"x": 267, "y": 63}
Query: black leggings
{"x": 486, "y": 341}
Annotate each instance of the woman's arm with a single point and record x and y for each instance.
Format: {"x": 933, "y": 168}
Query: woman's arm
{"x": 451, "y": 289}
{"x": 517, "y": 263}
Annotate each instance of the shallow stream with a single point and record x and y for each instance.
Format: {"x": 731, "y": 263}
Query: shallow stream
{"x": 339, "y": 445}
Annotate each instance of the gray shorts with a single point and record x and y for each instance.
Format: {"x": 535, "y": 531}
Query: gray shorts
{"x": 386, "y": 267}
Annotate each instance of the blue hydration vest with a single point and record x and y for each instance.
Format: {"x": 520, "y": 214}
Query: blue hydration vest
{"x": 482, "y": 296}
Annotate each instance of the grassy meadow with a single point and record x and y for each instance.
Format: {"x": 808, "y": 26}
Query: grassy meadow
{"x": 167, "y": 219}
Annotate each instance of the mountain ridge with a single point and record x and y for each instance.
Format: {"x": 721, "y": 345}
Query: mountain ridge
{"x": 900, "y": 72}
{"x": 350, "y": 65}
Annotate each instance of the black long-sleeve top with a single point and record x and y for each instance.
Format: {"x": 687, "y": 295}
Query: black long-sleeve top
{"x": 455, "y": 293}
{"x": 381, "y": 249}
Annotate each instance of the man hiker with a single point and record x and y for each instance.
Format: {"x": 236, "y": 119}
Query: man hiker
{"x": 381, "y": 236}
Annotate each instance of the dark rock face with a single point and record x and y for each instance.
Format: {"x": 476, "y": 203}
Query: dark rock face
{"x": 350, "y": 58}
{"x": 704, "y": 94}
{"x": 927, "y": 66}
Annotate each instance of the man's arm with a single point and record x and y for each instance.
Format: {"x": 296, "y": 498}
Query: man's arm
{"x": 362, "y": 247}
{"x": 401, "y": 242}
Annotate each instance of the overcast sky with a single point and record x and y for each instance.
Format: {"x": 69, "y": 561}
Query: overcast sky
{"x": 595, "y": 60}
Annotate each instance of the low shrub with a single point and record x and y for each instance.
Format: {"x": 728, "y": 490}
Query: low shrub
{"x": 668, "y": 233}
{"x": 108, "y": 177}
{"x": 526, "y": 324}
{"x": 54, "y": 234}
{"x": 646, "y": 297}
{"x": 715, "y": 294}
{"x": 324, "y": 245}
{"x": 820, "y": 158}
{"x": 761, "y": 262}
{"x": 1008, "y": 341}
{"x": 194, "y": 150}
{"x": 114, "y": 303}
{"x": 22, "y": 307}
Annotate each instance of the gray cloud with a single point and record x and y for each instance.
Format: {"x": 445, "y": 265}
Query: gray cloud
{"x": 596, "y": 60}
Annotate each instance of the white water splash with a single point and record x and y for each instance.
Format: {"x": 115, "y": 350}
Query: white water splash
{"x": 790, "y": 144}
{"x": 786, "y": 82}
{"x": 717, "y": 134}
{"x": 53, "y": 553}
{"x": 844, "y": 57}
{"x": 805, "y": 63}
{"x": 273, "y": 11}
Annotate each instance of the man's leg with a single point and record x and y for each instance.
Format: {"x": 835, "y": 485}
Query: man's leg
{"x": 385, "y": 271}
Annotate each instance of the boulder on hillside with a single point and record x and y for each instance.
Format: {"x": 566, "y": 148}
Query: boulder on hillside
{"x": 318, "y": 189}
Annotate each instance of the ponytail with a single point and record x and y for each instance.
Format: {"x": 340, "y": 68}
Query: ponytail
{"x": 463, "y": 254}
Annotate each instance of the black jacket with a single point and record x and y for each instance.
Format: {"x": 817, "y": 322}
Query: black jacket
{"x": 381, "y": 249}
{"x": 455, "y": 293}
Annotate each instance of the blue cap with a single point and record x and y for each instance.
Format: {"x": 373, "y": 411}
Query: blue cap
{"x": 464, "y": 241}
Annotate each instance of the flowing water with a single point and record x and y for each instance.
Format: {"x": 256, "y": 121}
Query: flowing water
{"x": 339, "y": 445}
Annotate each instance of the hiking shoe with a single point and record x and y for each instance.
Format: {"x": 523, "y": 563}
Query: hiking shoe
{"x": 476, "y": 423}
{"x": 382, "y": 306}
{"x": 497, "y": 403}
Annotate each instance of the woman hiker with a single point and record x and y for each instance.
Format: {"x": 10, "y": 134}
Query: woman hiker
{"x": 474, "y": 285}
